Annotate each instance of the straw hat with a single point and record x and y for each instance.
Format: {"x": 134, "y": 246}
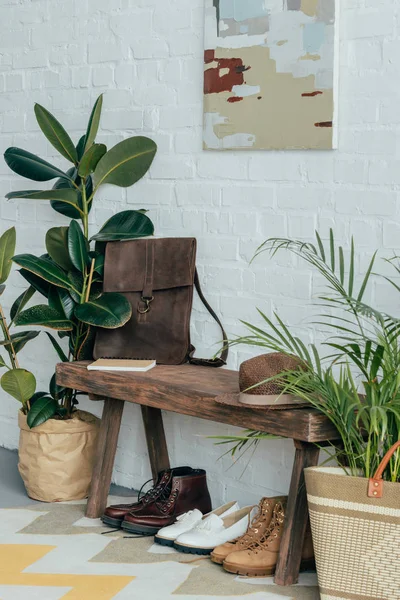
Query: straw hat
{"x": 263, "y": 367}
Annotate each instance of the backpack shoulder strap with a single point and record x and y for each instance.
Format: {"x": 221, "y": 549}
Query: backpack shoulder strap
{"x": 212, "y": 362}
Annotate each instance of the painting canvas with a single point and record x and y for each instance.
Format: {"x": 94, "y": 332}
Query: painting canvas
{"x": 270, "y": 77}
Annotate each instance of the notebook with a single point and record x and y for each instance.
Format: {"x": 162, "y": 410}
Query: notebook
{"x": 108, "y": 364}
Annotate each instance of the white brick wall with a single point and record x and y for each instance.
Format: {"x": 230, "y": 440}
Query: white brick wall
{"x": 146, "y": 55}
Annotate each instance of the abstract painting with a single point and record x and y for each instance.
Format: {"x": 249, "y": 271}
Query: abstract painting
{"x": 270, "y": 74}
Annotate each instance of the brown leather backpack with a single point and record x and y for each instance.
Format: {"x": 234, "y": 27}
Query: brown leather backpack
{"x": 157, "y": 276}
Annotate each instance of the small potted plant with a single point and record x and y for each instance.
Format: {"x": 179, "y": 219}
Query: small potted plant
{"x": 69, "y": 278}
{"x": 354, "y": 506}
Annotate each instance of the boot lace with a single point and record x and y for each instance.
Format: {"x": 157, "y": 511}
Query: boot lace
{"x": 256, "y": 522}
{"x": 272, "y": 532}
{"x": 156, "y": 491}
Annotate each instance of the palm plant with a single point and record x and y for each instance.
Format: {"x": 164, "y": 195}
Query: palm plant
{"x": 69, "y": 276}
{"x": 357, "y": 385}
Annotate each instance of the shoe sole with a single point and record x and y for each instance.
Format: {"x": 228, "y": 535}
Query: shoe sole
{"x": 192, "y": 549}
{"x": 216, "y": 559}
{"x": 111, "y": 522}
{"x": 306, "y": 565}
{"x": 135, "y": 528}
{"x": 163, "y": 541}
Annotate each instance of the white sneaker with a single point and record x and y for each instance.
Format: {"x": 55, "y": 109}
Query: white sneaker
{"x": 167, "y": 535}
{"x": 213, "y": 531}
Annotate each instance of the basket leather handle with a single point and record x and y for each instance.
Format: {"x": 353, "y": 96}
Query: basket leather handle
{"x": 375, "y": 484}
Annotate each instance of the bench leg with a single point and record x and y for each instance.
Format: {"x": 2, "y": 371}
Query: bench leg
{"x": 105, "y": 455}
{"x": 296, "y": 519}
{"x": 155, "y": 438}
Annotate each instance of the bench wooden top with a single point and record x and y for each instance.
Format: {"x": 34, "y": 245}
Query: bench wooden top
{"x": 191, "y": 390}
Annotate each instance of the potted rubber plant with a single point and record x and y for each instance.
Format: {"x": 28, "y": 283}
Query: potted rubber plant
{"x": 69, "y": 276}
{"x": 354, "y": 506}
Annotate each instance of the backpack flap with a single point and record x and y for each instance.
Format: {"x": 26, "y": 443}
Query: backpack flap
{"x": 157, "y": 277}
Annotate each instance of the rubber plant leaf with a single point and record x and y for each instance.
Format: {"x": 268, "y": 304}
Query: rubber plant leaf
{"x": 20, "y": 339}
{"x": 31, "y": 166}
{"x": 43, "y": 409}
{"x": 56, "y": 133}
{"x": 21, "y": 301}
{"x": 56, "y": 391}
{"x": 94, "y": 122}
{"x": 19, "y": 383}
{"x": 67, "y": 196}
{"x": 45, "y": 316}
{"x": 80, "y": 147}
{"x": 57, "y": 246}
{"x": 126, "y": 163}
{"x": 61, "y": 184}
{"x": 91, "y": 158}
{"x": 38, "y": 284}
{"x": 78, "y": 247}
{"x": 44, "y": 268}
{"x": 109, "y": 311}
{"x": 7, "y": 249}
{"x": 125, "y": 225}
{"x": 61, "y": 354}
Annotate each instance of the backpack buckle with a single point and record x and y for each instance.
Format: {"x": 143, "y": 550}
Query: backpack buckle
{"x": 147, "y": 302}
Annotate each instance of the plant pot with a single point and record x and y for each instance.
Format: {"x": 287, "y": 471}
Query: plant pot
{"x": 356, "y": 537}
{"x": 56, "y": 458}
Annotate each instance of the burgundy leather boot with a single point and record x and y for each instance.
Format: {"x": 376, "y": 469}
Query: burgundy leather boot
{"x": 184, "y": 492}
{"x": 115, "y": 514}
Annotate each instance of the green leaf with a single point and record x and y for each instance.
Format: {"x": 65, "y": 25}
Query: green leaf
{"x": 19, "y": 383}
{"x": 21, "y": 301}
{"x": 56, "y": 133}
{"x": 126, "y": 163}
{"x": 61, "y": 354}
{"x": 98, "y": 262}
{"x": 2, "y": 288}
{"x": 67, "y": 303}
{"x": 332, "y": 249}
{"x": 94, "y": 122}
{"x": 366, "y": 278}
{"x": 20, "y": 339}
{"x": 57, "y": 246}
{"x": 44, "y": 268}
{"x": 78, "y": 247}
{"x": 45, "y": 316}
{"x": 31, "y": 166}
{"x": 109, "y": 311}
{"x": 7, "y": 249}
{"x": 56, "y": 391}
{"x": 80, "y": 147}
{"x": 66, "y": 196}
{"x": 77, "y": 282}
{"x": 38, "y": 284}
{"x": 351, "y": 269}
{"x": 91, "y": 158}
{"x": 43, "y": 409}
{"x": 3, "y": 363}
{"x": 125, "y": 225}
{"x": 68, "y": 210}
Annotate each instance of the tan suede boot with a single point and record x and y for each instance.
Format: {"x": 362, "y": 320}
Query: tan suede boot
{"x": 257, "y": 528}
{"x": 260, "y": 559}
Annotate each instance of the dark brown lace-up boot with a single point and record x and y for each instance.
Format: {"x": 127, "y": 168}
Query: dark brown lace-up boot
{"x": 115, "y": 514}
{"x": 257, "y": 528}
{"x": 184, "y": 491}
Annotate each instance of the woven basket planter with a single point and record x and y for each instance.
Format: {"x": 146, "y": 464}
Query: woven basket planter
{"x": 355, "y": 525}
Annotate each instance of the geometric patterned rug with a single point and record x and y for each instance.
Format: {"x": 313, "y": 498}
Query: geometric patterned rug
{"x": 53, "y": 552}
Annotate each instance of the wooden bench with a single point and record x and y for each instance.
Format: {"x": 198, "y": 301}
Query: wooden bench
{"x": 192, "y": 390}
